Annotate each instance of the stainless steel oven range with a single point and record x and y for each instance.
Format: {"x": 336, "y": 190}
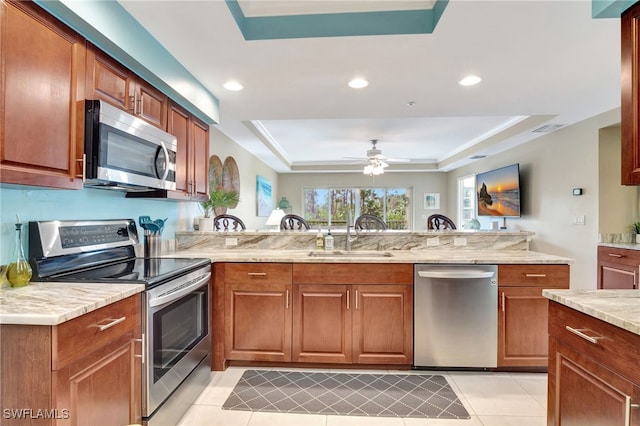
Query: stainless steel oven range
{"x": 176, "y": 346}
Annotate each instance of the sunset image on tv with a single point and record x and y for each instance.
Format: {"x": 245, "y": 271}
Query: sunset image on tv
{"x": 499, "y": 192}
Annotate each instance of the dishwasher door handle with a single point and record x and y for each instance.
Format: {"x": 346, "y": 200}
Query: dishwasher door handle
{"x": 456, "y": 274}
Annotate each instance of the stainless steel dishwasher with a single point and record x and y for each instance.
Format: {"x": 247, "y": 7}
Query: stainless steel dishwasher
{"x": 455, "y": 316}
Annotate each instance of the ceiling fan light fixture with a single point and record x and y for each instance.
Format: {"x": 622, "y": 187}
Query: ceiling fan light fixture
{"x": 358, "y": 83}
{"x": 470, "y": 80}
{"x": 374, "y": 168}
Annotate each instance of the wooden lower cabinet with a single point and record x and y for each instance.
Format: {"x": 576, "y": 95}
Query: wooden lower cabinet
{"x": 74, "y": 373}
{"x": 370, "y": 322}
{"x": 522, "y": 312}
{"x": 618, "y": 268}
{"x": 257, "y": 312}
{"x": 591, "y": 383}
{"x": 328, "y": 313}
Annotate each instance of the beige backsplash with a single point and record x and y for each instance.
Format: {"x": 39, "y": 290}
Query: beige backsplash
{"x": 388, "y": 240}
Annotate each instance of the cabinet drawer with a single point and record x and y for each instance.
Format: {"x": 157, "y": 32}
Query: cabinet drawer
{"x": 547, "y": 276}
{"x": 263, "y": 273}
{"x": 353, "y": 273}
{"x": 80, "y": 336}
{"x": 609, "y": 345}
{"x": 620, "y": 256}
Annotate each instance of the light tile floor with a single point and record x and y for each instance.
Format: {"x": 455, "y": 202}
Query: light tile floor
{"x": 492, "y": 399}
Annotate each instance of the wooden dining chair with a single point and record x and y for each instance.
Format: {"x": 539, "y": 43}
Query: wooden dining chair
{"x": 439, "y": 221}
{"x": 293, "y": 222}
{"x": 228, "y": 222}
{"x": 369, "y": 222}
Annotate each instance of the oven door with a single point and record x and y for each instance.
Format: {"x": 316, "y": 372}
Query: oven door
{"x": 176, "y": 333}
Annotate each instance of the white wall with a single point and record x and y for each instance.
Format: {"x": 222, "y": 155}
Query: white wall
{"x": 249, "y": 166}
{"x": 551, "y": 166}
{"x": 291, "y": 185}
{"x": 618, "y": 204}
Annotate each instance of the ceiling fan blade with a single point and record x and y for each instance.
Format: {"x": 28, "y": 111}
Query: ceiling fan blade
{"x": 398, "y": 160}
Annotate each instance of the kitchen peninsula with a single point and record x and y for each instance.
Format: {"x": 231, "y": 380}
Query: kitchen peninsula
{"x": 594, "y": 353}
{"x": 266, "y": 285}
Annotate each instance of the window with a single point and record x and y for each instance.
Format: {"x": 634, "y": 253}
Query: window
{"x": 328, "y": 207}
{"x": 466, "y": 199}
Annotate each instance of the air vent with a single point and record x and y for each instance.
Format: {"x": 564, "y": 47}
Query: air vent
{"x": 547, "y": 128}
{"x": 477, "y": 157}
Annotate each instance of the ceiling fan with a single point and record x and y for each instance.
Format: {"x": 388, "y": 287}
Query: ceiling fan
{"x": 375, "y": 162}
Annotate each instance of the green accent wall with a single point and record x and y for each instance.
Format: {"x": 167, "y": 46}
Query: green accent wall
{"x": 421, "y": 21}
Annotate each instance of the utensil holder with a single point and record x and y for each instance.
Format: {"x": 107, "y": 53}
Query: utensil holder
{"x": 152, "y": 245}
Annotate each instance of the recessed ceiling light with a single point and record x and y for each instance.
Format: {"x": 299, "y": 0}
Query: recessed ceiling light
{"x": 470, "y": 80}
{"x": 233, "y": 86}
{"x": 358, "y": 83}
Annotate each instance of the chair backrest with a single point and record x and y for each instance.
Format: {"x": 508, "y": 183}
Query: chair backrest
{"x": 369, "y": 222}
{"x": 293, "y": 222}
{"x": 438, "y": 221}
{"x": 228, "y": 222}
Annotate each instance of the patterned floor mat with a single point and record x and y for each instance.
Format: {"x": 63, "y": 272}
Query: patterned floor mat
{"x": 382, "y": 395}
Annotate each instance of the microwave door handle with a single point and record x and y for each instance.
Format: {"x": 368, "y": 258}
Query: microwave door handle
{"x": 166, "y": 156}
{"x": 170, "y": 297}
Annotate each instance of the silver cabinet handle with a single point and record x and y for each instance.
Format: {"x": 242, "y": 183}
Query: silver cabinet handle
{"x": 615, "y": 255}
{"x": 257, "y": 274}
{"x": 627, "y": 412}
{"x": 132, "y": 104}
{"x": 112, "y": 322}
{"x": 503, "y": 297}
{"x": 356, "y": 300}
{"x": 535, "y": 275}
{"x": 347, "y": 299}
{"x": 142, "y": 349}
{"x": 456, "y": 274}
{"x": 579, "y": 332}
{"x": 286, "y": 305}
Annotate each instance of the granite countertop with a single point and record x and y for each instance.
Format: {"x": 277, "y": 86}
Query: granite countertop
{"x": 627, "y": 246}
{"x": 395, "y": 256}
{"x": 55, "y": 303}
{"x": 617, "y": 307}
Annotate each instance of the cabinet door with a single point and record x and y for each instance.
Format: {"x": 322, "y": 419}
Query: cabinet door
{"x": 322, "y": 323}
{"x": 522, "y": 327}
{"x": 200, "y": 160}
{"x": 102, "y": 388}
{"x": 41, "y": 107}
{"x": 151, "y": 104}
{"x": 112, "y": 82}
{"x": 613, "y": 276}
{"x": 258, "y": 322}
{"x": 382, "y": 324}
{"x": 630, "y": 107}
{"x": 587, "y": 393}
{"x": 178, "y": 125}
{"x": 109, "y": 81}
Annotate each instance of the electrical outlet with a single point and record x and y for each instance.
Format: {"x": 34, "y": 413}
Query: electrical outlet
{"x": 578, "y": 220}
{"x": 230, "y": 241}
{"x": 459, "y": 241}
{"x": 433, "y": 242}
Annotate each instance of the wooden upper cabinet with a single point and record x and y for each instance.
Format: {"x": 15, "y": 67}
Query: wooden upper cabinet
{"x": 630, "y": 47}
{"x": 192, "y": 162}
{"x": 42, "y": 102}
{"x": 110, "y": 81}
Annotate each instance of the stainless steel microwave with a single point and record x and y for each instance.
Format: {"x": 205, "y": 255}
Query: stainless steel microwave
{"x": 125, "y": 152}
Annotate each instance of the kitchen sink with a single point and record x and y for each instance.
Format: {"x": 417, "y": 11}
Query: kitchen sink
{"x": 344, "y": 253}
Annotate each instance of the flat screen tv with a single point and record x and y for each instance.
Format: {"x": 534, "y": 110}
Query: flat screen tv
{"x": 499, "y": 192}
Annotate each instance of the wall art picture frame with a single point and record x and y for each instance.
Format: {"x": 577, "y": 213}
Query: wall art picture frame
{"x": 264, "y": 203}
{"x": 432, "y": 201}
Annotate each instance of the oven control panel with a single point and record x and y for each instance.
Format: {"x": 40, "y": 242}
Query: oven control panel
{"x": 63, "y": 237}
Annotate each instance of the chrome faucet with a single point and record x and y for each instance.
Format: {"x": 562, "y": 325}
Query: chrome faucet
{"x": 349, "y": 239}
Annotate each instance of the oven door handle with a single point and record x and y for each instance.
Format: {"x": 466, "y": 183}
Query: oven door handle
{"x": 176, "y": 294}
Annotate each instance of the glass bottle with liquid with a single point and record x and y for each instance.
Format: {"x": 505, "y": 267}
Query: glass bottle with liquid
{"x": 19, "y": 270}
